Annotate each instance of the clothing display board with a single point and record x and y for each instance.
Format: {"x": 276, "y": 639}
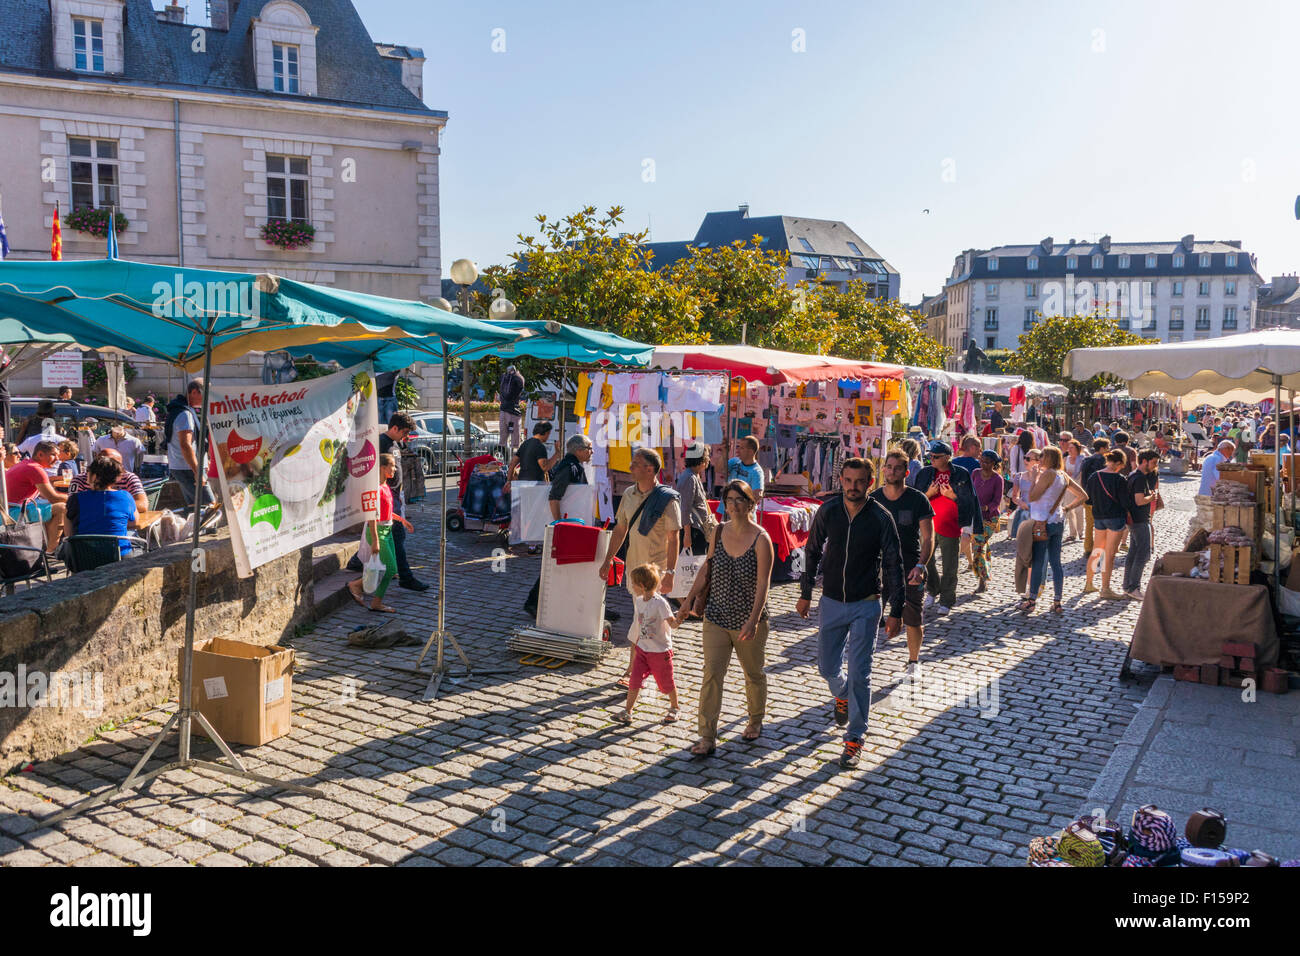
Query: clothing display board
{"x": 530, "y": 508}
{"x": 622, "y": 411}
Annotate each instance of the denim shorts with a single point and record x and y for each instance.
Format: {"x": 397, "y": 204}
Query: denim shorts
{"x": 38, "y": 509}
{"x": 1110, "y": 524}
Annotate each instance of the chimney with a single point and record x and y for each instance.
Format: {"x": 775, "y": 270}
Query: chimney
{"x": 1104, "y": 242}
{"x": 1187, "y": 241}
{"x": 744, "y": 210}
{"x": 174, "y": 13}
{"x": 1047, "y": 246}
{"x": 219, "y": 13}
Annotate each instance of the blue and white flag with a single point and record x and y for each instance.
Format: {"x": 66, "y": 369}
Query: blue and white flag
{"x": 4, "y": 239}
{"x": 112, "y": 233}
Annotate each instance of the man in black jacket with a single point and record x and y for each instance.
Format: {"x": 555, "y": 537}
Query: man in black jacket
{"x": 855, "y": 541}
{"x": 509, "y": 422}
{"x": 956, "y": 510}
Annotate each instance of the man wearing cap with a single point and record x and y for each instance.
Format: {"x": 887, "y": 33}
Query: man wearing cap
{"x": 698, "y": 522}
{"x": 511, "y": 390}
{"x": 953, "y": 498}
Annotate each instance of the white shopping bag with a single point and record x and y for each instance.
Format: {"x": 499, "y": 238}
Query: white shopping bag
{"x": 530, "y": 509}
{"x": 372, "y": 572}
{"x": 684, "y": 575}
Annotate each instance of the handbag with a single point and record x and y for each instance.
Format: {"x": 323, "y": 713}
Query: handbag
{"x": 1040, "y": 527}
{"x": 17, "y": 562}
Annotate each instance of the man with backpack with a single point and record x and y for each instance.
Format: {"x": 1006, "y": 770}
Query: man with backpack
{"x": 182, "y": 432}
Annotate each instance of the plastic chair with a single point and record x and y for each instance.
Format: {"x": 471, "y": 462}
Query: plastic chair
{"x": 152, "y": 490}
{"x": 85, "y": 552}
{"x": 43, "y": 567}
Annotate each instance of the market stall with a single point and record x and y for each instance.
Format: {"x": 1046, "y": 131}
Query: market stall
{"x": 1242, "y": 528}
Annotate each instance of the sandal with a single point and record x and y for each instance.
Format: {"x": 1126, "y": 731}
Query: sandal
{"x": 1026, "y": 605}
{"x": 622, "y": 717}
{"x": 1057, "y": 608}
{"x": 625, "y": 682}
{"x": 753, "y": 731}
{"x": 671, "y": 716}
{"x": 357, "y": 597}
{"x": 704, "y": 747}
{"x": 383, "y": 609}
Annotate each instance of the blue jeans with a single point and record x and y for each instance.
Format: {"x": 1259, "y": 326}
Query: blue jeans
{"x": 1044, "y": 551}
{"x": 185, "y": 478}
{"x": 1020, "y": 515}
{"x": 854, "y": 622}
{"x": 399, "y": 552}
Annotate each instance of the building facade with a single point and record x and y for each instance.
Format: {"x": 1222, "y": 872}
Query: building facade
{"x": 201, "y": 134}
{"x": 1278, "y": 306}
{"x": 1165, "y": 291}
{"x": 819, "y": 248}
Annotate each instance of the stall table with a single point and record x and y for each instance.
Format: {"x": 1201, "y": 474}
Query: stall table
{"x": 786, "y": 541}
{"x": 1186, "y": 620}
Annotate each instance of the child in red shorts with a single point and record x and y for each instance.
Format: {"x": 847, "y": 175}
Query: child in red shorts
{"x": 651, "y": 635}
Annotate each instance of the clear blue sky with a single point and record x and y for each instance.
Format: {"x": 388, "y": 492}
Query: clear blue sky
{"x": 1178, "y": 117}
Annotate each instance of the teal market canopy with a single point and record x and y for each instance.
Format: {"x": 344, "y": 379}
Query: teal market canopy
{"x": 172, "y": 313}
{"x": 543, "y": 340}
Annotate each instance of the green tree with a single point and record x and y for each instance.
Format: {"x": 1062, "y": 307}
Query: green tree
{"x": 581, "y": 271}
{"x": 1043, "y": 349}
{"x": 739, "y": 290}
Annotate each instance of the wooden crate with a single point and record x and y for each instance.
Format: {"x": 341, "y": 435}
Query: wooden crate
{"x": 1244, "y": 517}
{"x": 1230, "y": 564}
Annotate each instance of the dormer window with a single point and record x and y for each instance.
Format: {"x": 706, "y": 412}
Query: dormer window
{"x": 1230, "y": 260}
{"x": 284, "y": 49}
{"x": 1032, "y": 263}
{"x": 88, "y": 44}
{"x": 1151, "y": 262}
{"x": 1205, "y": 261}
{"x": 1178, "y": 260}
{"x": 993, "y": 263}
{"x": 284, "y": 64}
{"x": 1123, "y": 262}
{"x": 86, "y": 35}
{"x": 1098, "y": 261}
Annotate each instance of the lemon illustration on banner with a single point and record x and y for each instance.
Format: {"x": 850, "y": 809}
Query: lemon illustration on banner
{"x": 267, "y": 508}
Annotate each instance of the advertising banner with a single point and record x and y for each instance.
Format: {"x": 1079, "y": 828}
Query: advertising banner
{"x": 298, "y": 462}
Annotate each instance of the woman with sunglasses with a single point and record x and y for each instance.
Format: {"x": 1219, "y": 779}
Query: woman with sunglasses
{"x": 731, "y": 593}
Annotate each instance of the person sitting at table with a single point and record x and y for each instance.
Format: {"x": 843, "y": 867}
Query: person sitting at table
{"x": 129, "y": 447}
{"x": 127, "y": 481}
{"x": 28, "y": 487}
{"x": 12, "y": 455}
{"x": 66, "y": 468}
{"x": 101, "y": 509}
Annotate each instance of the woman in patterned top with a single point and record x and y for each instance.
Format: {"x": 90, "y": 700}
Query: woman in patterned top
{"x": 731, "y": 592}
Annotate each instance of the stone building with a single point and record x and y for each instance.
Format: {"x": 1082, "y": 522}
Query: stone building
{"x": 199, "y": 134}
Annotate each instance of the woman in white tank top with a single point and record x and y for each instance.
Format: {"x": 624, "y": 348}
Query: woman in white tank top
{"x": 1047, "y": 502}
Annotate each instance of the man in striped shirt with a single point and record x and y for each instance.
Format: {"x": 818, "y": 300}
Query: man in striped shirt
{"x": 128, "y": 481}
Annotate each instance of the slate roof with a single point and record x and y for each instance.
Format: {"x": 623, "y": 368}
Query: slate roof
{"x": 349, "y": 69}
{"x": 827, "y": 237}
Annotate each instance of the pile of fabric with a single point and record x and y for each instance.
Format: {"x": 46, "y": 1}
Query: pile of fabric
{"x": 1151, "y": 840}
{"x": 800, "y": 510}
{"x": 1231, "y": 536}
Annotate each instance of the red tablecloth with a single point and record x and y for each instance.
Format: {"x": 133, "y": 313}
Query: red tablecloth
{"x": 777, "y": 526}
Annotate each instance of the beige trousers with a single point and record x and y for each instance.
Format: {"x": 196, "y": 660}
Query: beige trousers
{"x": 718, "y": 645}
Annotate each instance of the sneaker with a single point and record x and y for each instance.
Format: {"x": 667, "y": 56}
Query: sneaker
{"x": 928, "y": 603}
{"x": 913, "y": 673}
{"x": 841, "y": 711}
{"x": 942, "y": 609}
{"x": 1134, "y": 595}
{"x": 413, "y": 584}
{"x": 852, "y": 753}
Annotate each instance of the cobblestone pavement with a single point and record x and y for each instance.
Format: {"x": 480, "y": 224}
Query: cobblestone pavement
{"x": 1015, "y": 720}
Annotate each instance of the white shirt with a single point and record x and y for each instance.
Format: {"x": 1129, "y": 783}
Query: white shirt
{"x": 1210, "y": 471}
{"x": 1038, "y": 509}
{"x": 130, "y": 448}
{"x": 144, "y": 414}
{"x": 650, "y": 629}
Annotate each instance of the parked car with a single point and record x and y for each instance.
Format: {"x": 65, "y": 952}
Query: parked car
{"x": 68, "y": 414}
{"x": 426, "y": 441}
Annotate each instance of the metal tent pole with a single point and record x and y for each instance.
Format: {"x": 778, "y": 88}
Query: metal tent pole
{"x": 186, "y": 714}
{"x": 1277, "y": 440}
{"x": 1277, "y": 492}
{"x": 441, "y": 635}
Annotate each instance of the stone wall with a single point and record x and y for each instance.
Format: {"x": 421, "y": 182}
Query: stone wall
{"x": 120, "y": 627}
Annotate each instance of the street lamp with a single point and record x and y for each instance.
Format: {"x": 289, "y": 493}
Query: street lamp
{"x": 465, "y": 273}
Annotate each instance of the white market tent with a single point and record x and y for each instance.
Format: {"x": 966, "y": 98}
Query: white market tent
{"x": 1255, "y": 365}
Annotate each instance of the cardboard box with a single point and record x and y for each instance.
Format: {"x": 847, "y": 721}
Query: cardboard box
{"x": 1176, "y": 562}
{"x": 244, "y": 690}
